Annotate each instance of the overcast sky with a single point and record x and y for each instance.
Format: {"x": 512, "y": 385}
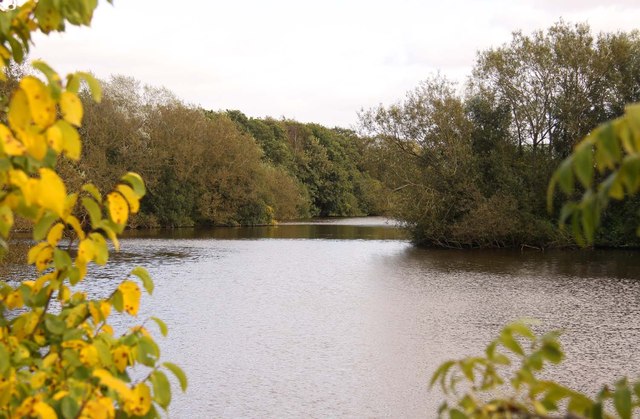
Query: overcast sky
{"x": 314, "y": 61}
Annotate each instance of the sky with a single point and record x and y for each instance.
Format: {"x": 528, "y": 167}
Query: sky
{"x": 313, "y": 61}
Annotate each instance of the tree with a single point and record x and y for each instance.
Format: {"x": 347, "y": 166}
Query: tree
{"x": 604, "y": 166}
{"x": 59, "y": 356}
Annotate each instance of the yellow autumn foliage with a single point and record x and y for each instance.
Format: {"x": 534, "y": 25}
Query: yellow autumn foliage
{"x": 65, "y": 362}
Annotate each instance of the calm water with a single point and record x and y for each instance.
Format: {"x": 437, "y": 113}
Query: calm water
{"x": 346, "y": 319}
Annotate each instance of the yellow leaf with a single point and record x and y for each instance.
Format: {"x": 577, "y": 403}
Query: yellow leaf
{"x": 39, "y": 283}
{"x": 26, "y": 408}
{"x": 28, "y": 186}
{"x": 86, "y": 251}
{"x": 6, "y": 219}
{"x": 49, "y": 360}
{"x": 44, "y": 411}
{"x": 65, "y": 294}
{"x": 118, "y": 208}
{"x": 121, "y": 357}
{"x": 19, "y": 116}
{"x": 89, "y": 355}
{"x": 5, "y": 53}
{"x": 71, "y": 144}
{"x": 34, "y": 141}
{"x": 14, "y": 300}
{"x": 51, "y": 192}
{"x": 130, "y": 196}
{"x": 34, "y": 251}
{"x": 75, "y": 223}
{"x": 106, "y": 379}
{"x": 101, "y": 408}
{"x": 75, "y": 344}
{"x": 10, "y": 145}
{"x": 99, "y": 310}
{"x": 44, "y": 258}
{"x": 55, "y": 234}
{"x": 140, "y": 403}
{"x": 38, "y": 379}
{"x": 71, "y": 108}
{"x": 130, "y": 296}
{"x": 69, "y": 204}
{"x": 76, "y": 315}
{"x": 42, "y": 106}
{"x": 54, "y": 138}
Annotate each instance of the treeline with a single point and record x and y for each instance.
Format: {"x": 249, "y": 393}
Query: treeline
{"x": 219, "y": 168}
{"x": 471, "y": 169}
{"x": 460, "y": 167}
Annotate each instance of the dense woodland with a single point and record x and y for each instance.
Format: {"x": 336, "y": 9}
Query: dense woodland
{"x": 461, "y": 166}
{"x": 220, "y": 168}
{"x": 472, "y": 169}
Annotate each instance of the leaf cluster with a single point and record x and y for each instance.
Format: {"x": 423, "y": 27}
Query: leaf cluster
{"x": 605, "y": 165}
{"x": 59, "y": 356}
{"x": 505, "y": 382}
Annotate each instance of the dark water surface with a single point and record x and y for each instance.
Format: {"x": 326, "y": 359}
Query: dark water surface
{"x": 346, "y": 319}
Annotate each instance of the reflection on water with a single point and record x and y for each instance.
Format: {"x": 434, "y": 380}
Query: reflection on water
{"x": 353, "y": 323}
{"x": 369, "y": 228}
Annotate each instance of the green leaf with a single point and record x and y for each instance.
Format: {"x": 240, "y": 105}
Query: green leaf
{"x": 42, "y": 226}
{"x": 4, "y": 358}
{"x": 93, "y": 209}
{"x": 69, "y": 407}
{"x": 177, "y": 371}
{"x": 589, "y": 213}
{"x": 564, "y": 176}
{"x": 135, "y": 181}
{"x": 49, "y": 18}
{"x": 101, "y": 248}
{"x": 162, "y": 325}
{"x": 94, "y": 85}
{"x": 54, "y": 324}
{"x": 147, "y": 351}
{"x": 117, "y": 301}
{"x": 636, "y": 389}
{"x": 51, "y": 75}
{"x": 567, "y": 211}
{"x": 597, "y": 412}
{"x": 613, "y": 186}
{"x": 521, "y": 329}
{"x": 74, "y": 275}
{"x": 16, "y": 49}
{"x": 456, "y": 414}
{"x": 509, "y": 342}
{"x": 93, "y": 190}
{"x": 103, "y": 353}
{"x": 608, "y": 152}
{"x": 441, "y": 373}
{"x": 161, "y": 389}
{"x": 144, "y": 276}
{"x": 466, "y": 366}
{"x": 61, "y": 259}
{"x": 552, "y": 352}
{"x": 622, "y": 400}
{"x": 583, "y": 164}
{"x": 629, "y": 173}
{"x": 73, "y": 83}
{"x": 6, "y": 220}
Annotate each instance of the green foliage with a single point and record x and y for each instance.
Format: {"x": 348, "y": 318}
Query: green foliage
{"x": 59, "y": 356}
{"x": 515, "y": 359}
{"x": 471, "y": 171}
{"x": 327, "y": 164}
{"x": 605, "y": 165}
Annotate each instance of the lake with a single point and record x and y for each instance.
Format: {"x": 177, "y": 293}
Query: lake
{"x": 345, "y": 318}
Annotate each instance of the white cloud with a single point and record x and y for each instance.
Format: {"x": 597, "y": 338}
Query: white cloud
{"x": 314, "y": 61}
